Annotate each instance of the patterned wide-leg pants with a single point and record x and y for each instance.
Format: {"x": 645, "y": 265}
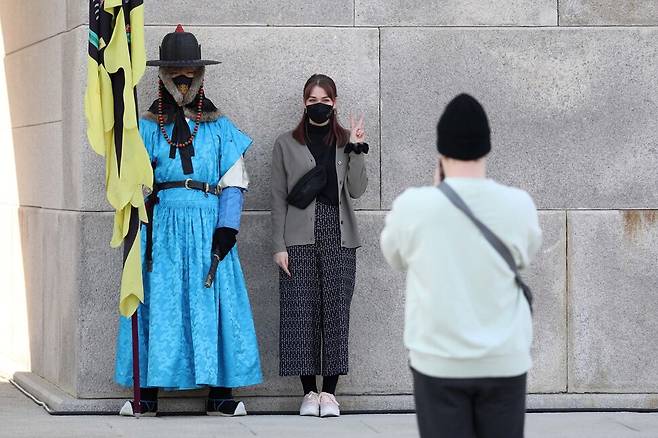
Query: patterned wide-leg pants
{"x": 315, "y": 301}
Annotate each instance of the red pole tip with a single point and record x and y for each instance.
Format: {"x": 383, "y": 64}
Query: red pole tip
{"x": 179, "y": 28}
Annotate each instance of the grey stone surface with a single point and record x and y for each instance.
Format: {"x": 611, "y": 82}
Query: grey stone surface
{"x": 608, "y": 12}
{"x": 254, "y": 245}
{"x": 31, "y": 234}
{"x": 60, "y": 246}
{"x": 206, "y": 13}
{"x": 573, "y": 134}
{"x": 266, "y": 13}
{"x": 612, "y": 303}
{"x": 448, "y": 13}
{"x": 98, "y": 286}
{"x": 259, "y": 86}
{"x": 547, "y": 278}
{"x": 55, "y": 167}
{"x": 31, "y": 74}
{"x": 29, "y": 21}
{"x": 234, "y": 12}
{"x": 55, "y": 247}
{"x": 41, "y": 167}
{"x": 378, "y": 358}
{"x": 595, "y": 401}
{"x": 21, "y": 417}
{"x": 77, "y": 13}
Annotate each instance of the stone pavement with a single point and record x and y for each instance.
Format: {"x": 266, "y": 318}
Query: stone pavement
{"x": 20, "y": 417}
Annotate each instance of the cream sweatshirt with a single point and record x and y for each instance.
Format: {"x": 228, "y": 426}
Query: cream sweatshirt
{"x": 465, "y": 317}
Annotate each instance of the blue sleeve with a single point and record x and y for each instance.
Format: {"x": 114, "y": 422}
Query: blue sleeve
{"x": 234, "y": 144}
{"x": 230, "y": 208}
{"x": 147, "y": 130}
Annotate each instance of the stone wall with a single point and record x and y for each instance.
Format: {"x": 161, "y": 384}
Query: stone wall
{"x": 571, "y": 92}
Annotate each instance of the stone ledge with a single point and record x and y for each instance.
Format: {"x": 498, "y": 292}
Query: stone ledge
{"x": 59, "y": 402}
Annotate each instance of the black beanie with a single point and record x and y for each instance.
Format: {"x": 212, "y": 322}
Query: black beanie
{"x": 463, "y": 130}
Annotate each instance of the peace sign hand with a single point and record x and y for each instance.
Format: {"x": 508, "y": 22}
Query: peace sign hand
{"x": 357, "y": 130}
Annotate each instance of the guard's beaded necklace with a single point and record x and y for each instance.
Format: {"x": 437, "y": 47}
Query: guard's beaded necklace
{"x": 197, "y": 119}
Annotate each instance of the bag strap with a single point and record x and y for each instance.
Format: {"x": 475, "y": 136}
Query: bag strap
{"x": 489, "y": 235}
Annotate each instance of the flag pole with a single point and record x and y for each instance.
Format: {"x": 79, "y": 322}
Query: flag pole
{"x": 106, "y": 48}
{"x": 134, "y": 225}
{"x": 137, "y": 392}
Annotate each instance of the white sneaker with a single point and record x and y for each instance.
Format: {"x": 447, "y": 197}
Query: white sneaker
{"x": 127, "y": 410}
{"x": 328, "y": 405}
{"x": 310, "y": 405}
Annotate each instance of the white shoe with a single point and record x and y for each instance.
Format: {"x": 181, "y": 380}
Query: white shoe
{"x": 240, "y": 411}
{"x": 128, "y": 411}
{"x": 328, "y": 405}
{"x": 225, "y": 408}
{"x": 310, "y": 405}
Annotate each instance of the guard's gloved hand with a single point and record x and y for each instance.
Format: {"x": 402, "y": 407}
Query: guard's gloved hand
{"x": 357, "y": 148}
{"x": 223, "y": 240}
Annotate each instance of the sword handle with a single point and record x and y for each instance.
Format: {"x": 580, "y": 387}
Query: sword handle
{"x": 210, "y": 278}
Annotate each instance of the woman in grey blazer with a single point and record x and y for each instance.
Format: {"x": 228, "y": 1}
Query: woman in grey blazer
{"x": 315, "y": 246}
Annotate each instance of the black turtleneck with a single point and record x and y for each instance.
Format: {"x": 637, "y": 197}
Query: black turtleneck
{"x": 324, "y": 153}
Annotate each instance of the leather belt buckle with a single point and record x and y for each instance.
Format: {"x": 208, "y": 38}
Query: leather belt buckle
{"x": 187, "y": 182}
{"x": 206, "y": 188}
{"x": 218, "y": 190}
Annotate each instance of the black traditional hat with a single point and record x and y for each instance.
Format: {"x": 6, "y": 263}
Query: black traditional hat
{"x": 180, "y": 49}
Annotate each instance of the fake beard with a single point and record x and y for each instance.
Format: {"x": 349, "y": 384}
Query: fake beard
{"x": 183, "y": 83}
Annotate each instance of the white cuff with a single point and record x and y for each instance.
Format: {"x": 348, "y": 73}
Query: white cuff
{"x": 236, "y": 176}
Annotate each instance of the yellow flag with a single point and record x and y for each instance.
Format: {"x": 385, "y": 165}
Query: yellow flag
{"x": 117, "y": 61}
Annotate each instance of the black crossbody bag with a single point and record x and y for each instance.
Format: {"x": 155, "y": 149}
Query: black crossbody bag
{"x": 313, "y": 182}
{"x": 308, "y": 187}
{"x": 494, "y": 240}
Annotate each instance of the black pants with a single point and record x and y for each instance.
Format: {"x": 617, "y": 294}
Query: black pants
{"x": 470, "y": 408}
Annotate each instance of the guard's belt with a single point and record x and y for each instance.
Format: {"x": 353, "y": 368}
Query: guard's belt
{"x": 153, "y": 199}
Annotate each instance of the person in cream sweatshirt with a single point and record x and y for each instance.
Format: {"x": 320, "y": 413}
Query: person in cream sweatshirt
{"x": 468, "y": 326}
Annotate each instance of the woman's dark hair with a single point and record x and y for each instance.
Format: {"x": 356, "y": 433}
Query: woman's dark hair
{"x": 337, "y": 134}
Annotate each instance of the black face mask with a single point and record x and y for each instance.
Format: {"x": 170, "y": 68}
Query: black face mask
{"x": 182, "y": 80}
{"x": 183, "y": 83}
{"x": 319, "y": 112}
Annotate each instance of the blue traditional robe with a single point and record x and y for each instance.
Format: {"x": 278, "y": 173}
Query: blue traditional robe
{"x": 191, "y": 336}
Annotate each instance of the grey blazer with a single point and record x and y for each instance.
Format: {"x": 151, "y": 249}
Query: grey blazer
{"x": 294, "y": 226}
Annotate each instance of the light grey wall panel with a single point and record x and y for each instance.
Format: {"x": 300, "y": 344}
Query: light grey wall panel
{"x": 612, "y": 301}
{"x": 26, "y": 22}
{"x": 571, "y": 110}
{"x": 452, "y": 13}
{"x": 608, "y": 12}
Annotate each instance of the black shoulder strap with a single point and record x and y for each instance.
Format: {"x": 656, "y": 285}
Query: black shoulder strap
{"x": 494, "y": 240}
